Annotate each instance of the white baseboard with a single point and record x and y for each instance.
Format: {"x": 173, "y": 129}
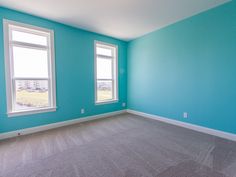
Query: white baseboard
{"x": 218, "y": 133}
{"x": 56, "y": 125}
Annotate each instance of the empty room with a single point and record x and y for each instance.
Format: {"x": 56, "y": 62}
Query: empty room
{"x": 126, "y": 88}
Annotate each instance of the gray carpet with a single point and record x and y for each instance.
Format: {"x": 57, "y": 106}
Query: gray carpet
{"x": 121, "y": 146}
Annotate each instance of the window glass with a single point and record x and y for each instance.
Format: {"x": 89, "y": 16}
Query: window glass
{"x": 104, "y": 90}
{"x": 30, "y": 62}
{"x": 29, "y": 69}
{"x": 104, "y": 68}
{"x": 29, "y": 38}
{"x": 104, "y": 51}
{"x": 106, "y": 73}
{"x": 31, "y": 94}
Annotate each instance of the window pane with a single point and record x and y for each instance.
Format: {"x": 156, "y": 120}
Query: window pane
{"x": 104, "y": 68}
{"x": 104, "y": 51}
{"x": 29, "y": 38}
{"x": 30, "y": 62}
{"x": 31, "y": 94}
{"x": 104, "y": 90}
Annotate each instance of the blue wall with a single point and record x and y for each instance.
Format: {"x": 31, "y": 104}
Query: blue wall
{"x": 189, "y": 66}
{"x": 74, "y": 50}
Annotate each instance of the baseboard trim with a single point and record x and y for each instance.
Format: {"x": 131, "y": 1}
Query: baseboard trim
{"x": 218, "y": 133}
{"x": 57, "y": 125}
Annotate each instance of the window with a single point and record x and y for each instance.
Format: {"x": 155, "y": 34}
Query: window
{"x": 30, "y": 77}
{"x": 105, "y": 72}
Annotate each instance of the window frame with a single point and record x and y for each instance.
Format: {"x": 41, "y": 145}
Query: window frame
{"x": 10, "y": 86}
{"x": 115, "y": 90}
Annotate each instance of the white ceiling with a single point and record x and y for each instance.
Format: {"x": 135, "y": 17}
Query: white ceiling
{"x": 122, "y": 19}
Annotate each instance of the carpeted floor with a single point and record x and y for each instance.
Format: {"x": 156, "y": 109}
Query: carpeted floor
{"x": 121, "y": 146}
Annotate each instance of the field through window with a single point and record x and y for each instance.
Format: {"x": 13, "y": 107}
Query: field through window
{"x": 31, "y": 94}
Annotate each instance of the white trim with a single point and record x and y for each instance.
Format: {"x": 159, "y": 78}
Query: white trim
{"x": 105, "y": 57}
{"x": 9, "y": 72}
{"x": 23, "y": 25}
{"x": 218, "y": 133}
{"x": 107, "y": 102}
{"x": 29, "y": 46}
{"x": 7, "y": 64}
{"x": 57, "y": 125}
{"x": 29, "y": 112}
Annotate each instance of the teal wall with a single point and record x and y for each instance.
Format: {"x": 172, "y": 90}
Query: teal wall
{"x": 74, "y": 50}
{"x": 189, "y": 66}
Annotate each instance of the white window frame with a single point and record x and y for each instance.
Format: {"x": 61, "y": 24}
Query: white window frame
{"x": 8, "y": 43}
{"x": 114, "y": 58}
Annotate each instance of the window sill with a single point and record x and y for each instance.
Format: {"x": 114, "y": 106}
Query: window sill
{"x": 106, "y": 102}
{"x": 30, "y": 112}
